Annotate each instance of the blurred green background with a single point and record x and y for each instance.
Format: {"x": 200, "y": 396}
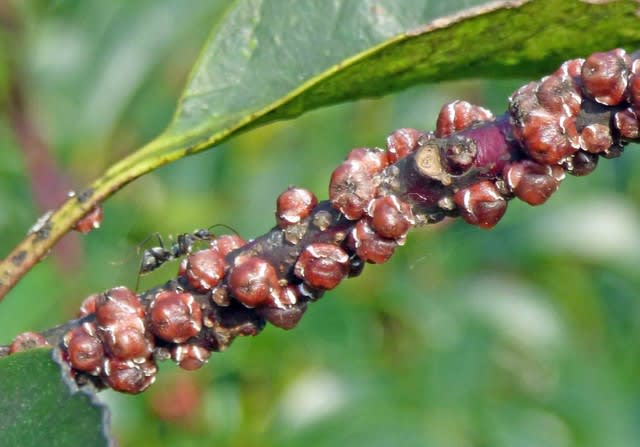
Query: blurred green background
{"x": 525, "y": 335}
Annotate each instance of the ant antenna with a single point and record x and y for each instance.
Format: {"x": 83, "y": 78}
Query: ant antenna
{"x": 224, "y": 226}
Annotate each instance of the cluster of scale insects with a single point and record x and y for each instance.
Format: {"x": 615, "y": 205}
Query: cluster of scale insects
{"x": 470, "y": 166}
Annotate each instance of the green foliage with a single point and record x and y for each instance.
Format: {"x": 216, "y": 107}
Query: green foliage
{"x": 261, "y": 65}
{"x": 37, "y": 408}
{"x": 515, "y": 337}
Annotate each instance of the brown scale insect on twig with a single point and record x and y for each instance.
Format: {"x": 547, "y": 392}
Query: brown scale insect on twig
{"x": 471, "y": 166}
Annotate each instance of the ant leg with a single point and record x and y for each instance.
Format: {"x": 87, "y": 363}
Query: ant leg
{"x": 148, "y": 238}
{"x": 151, "y": 258}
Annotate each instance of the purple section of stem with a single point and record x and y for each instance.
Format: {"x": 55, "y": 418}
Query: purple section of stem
{"x": 495, "y": 147}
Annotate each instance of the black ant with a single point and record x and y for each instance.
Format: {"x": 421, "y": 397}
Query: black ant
{"x": 154, "y": 257}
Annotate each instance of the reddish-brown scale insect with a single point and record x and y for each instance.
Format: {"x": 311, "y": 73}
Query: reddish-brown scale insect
{"x": 390, "y": 217}
{"x": 582, "y": 163}
{"x": 481, "y": 204}
{"x": 88, "y": 305}
{"x": 351, "y": 188}
{"x": 189, "y": 356}
{"x": 547, "y": 139}
{"x": 90, "y": 221}
{"x": 573, "y": 69}
{"x": 293, "y": 205}
{"x": 375, "y": 159}
{"x": 627, "y": 123}
{"x": 458, "y": 115}
{"x": 119, "y": 316}
{"x": 558, "y": 95}
{"x": 117, "y": 304}
{"x": 369, "y": 245}
{"x": 532, "y": 182}
{"x": 605, "y": 76}
{"x": 286, "y": 318}
{"x": 596, "y": 138}
{"x": 175, "y": 316}
{"x": 322, "y": 266}
{"x": 254, "y": 282}
{"x": 203, "y": 270}
{"x": 126, "y": 340}
{"x": 127, "y": 376}
{"x": 27, "y": 340}
{"x": 85, "y": 352}
{"x": 401, "y": 143}
{"x": 226, "y": 243}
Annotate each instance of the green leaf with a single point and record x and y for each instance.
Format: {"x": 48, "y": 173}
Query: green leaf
{"x": 270, "y": 60}
{"x": 37, "y": 408}
{"x": 266, "y": 52}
